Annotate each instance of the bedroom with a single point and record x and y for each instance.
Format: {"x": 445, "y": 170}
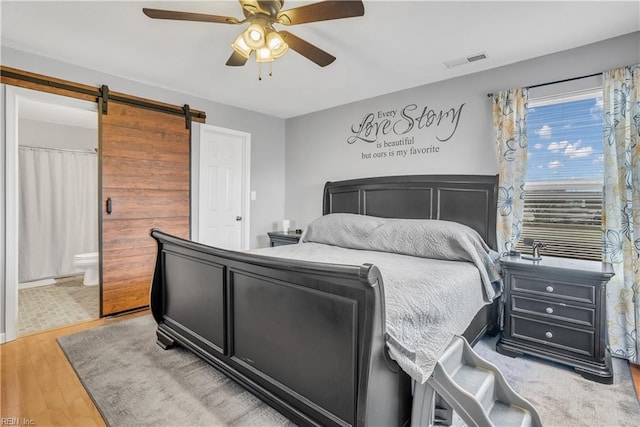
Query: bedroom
{"x": 292, "y": 157}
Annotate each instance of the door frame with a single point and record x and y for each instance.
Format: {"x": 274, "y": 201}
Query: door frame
{"x": 13, "y": 95}
{"x": 198, "y": 130}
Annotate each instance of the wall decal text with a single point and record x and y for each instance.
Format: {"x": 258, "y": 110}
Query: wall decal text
{"x": 392, "y": 133}
{"x": 374, "y": 126}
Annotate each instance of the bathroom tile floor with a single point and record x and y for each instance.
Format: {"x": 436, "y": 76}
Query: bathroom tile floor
{"x": 52, "y": 306}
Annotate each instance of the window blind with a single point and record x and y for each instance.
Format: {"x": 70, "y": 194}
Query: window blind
{"x": 567, "y": 221}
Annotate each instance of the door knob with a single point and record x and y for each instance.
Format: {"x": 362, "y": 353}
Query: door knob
{"x": 238, "y": 218}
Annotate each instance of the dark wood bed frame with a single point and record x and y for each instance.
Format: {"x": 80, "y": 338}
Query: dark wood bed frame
{"x": 309, "y": 338}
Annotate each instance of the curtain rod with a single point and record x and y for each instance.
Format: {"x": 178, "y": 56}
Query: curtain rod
{"x": 489, "y": 95}
{"x": 64, "y": 150}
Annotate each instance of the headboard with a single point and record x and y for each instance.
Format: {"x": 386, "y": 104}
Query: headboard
{"x": 467, "y": 199}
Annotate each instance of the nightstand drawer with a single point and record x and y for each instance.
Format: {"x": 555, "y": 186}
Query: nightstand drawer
{"x": 280, "y": 238}
{"x": 556, "y": 336}
{"x": 281, "y": 242}
{"x": 572, "y": 291}
{"x": 584, "y": 316}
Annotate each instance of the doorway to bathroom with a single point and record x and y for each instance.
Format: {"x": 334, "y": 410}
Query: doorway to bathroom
{"x": 57, "y": 210}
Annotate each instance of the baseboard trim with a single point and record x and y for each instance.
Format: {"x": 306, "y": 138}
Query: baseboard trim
{"x": 2, "y": 336}
{"x": 36, "y": 283}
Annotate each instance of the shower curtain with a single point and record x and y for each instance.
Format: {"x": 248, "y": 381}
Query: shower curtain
{"x": 58, "y": 210}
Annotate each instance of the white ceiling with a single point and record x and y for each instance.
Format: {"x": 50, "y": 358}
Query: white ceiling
{"x": 396, "y": 45}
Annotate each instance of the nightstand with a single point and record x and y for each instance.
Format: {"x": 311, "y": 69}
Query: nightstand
{"x": 555, "y": 309}
{"x": 279, "y": 238}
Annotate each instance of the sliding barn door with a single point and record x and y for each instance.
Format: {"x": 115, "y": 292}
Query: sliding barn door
{"x": 144, "y": 184}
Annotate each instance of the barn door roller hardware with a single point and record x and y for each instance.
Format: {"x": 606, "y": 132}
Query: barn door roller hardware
{"x": 104, "y": 93}
{"x": 187, "y": 116}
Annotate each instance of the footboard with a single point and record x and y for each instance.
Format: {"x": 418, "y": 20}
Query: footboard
{"x": 307, "y": 338}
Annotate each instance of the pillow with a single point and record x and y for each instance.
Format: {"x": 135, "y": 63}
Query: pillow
{"x": 341, "y": 229}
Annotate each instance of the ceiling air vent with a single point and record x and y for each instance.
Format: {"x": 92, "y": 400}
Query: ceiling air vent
{"x": 466, "y": 60}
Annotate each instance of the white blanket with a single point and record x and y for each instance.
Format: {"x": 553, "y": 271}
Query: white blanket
{"x": 427, "y": 301}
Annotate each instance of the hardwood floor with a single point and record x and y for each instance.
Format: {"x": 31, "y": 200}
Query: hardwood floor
{"x": 39, "y": 387}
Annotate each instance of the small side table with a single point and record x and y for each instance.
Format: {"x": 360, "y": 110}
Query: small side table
{"x": 279, "y": 238}
{"x": 555, "y": 309}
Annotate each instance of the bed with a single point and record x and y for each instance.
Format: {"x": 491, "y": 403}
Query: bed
{"x": 310, "y": 338}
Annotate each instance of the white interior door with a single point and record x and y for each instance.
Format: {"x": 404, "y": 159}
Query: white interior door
{"x": 224, "y": 188}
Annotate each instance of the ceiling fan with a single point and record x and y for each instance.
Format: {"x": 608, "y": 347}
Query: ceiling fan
{"x": 261, "y": 37}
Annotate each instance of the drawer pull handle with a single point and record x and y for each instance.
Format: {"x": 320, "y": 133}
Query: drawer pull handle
{"x": 548, "y": 334}
{"x": 549, "y": 289}
{"x": 549, "y": 310}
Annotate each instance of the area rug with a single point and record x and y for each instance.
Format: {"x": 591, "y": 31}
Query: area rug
{"x": 134, "y": 382}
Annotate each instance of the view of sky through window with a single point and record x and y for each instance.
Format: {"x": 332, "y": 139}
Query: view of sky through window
{"x": 565, "y": 141}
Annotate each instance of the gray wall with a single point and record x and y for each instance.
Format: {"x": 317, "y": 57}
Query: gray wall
{"x": 319, "y": 149}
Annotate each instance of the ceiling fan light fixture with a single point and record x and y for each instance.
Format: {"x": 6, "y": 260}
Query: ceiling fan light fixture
{"x": 264, "y": 55}
{"x": 240, "y": 46}
{"x": 276, "y": 44}
{"x": 254, "y": 36}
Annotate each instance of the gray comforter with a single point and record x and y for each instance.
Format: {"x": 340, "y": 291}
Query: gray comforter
{"x": 436, "y": 275}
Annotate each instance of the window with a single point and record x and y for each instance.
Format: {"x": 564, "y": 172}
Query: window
{"x": 563, "y": 197}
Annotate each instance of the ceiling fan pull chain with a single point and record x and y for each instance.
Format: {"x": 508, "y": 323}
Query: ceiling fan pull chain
{"x": 270, "y": 69}
{"x": 259, "y": 71}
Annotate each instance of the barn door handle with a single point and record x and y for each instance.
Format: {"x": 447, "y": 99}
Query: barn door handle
{"x": 109, "y": 206}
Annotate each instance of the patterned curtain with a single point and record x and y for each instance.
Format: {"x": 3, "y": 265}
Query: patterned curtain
{"x": 510, "y": 126}
{"x": 621, "y": 210}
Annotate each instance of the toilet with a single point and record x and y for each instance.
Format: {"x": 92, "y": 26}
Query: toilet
{"x": 89, "y": 263}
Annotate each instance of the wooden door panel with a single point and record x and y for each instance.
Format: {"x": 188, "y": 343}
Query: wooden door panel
{"x": 134, "y": 204}
{"x": 130, "y": 261}
{"x": 120, "y": 268}
{"x": 129, "y": 279}
{"x": 144, "y": 174}
{"x": 127, "y": 116}
{"x": 136, "y": 232}
{"x": 122, "y": 297}
{"x": 127, "y": 143}
{"x": 145, "y": 160}
{"x": 137, "y": 296}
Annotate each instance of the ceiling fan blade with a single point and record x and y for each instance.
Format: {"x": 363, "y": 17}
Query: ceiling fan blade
{"x": 321, "y": 11}
{"x": 236, "y": 60}
{"x": 307, "y": 50}
{"x": 188, "y": 16}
